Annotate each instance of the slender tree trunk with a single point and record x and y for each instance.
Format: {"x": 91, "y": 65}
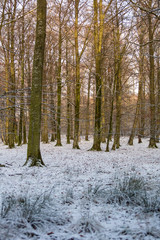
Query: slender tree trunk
{"x": 7, "y": 75}
{"x": 116, "y": 143}
{"x": 6, "y": 55}
{"x": 103, "y": 124}
{"x": 59, "y": 84}
{"x": 136, "y": 118}
{"x": 28, "y": 94}
{"x": 53, "y": 110}
{"x": 72, "y": 97}
{"x": 109, "y": 137}
{"x": 142, "y": 120}
{"x": 152, "y": 143}
{"x": 12, "y": 119}
{"x": 68, "y": 96}
{"x": 141, "y": 32}
{"x": 78, "y": 85}
{"x": 139, "y": 115}
{"x": 33, "y": 152}
{"x": 24, "y": 130}
{"x": 22, "y": 122}
{"x": 88, "y": 104}
{"x": 118, "y": 59}
{"x": 142, "y": 108}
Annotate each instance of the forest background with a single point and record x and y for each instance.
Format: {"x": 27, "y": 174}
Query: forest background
{"x": 101, "y": 71}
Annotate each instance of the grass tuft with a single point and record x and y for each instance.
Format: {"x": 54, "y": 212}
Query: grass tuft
{"x": 130, "y": 190}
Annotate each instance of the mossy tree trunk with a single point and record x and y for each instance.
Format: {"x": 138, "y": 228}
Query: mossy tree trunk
{"x": 33, "y": 152}
{"x": 99, "y": 15}
{"x": 158, "y": 108}
{"x": 152, "y": 142}
{"x": 98, "y": 34}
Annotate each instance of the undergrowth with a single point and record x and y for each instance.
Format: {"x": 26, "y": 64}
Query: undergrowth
{"x": 27, "y": 215}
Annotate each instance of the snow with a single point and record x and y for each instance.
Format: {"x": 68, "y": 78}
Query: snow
{"x": 72, "y": 191}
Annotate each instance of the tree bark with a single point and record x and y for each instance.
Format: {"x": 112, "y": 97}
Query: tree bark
{"x": 12, "y": 119}
{"x": 68, "y": 96}
{"x": 59, "y": 84}
{"x": 98, "y": 35}
{"x": 158, "y": 108}
{"x": 22, "y": 120}
{"x": 152, "y": 142}
{"x": 136, "y": 118}
{"x": 88, "y": 104}
{"x": 77, "y": 85}
{"x": 118, "y": 60}
{"x": 109, "y": 137}
{"x": 44, "y": 135}
{"x": 33, "y": 152}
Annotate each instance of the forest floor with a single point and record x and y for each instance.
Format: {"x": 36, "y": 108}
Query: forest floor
{"x": 81, "y": 194}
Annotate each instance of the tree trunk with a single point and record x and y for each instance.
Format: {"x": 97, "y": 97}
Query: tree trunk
{"x": 12, "y": 119}
{"x": 118, "y": 59}
{"x": 103, "y": 123}
{"x": 88, "y": 104}
{"x": 158, "y": 110}
{"x": 6, "y": 55}
{"x": 59, "y": 87}
{"x": 21, "y": 121}
{"x": 77, "y": 85}
{"x": 109, "y": 137}
{"x": 98, "y": 35}
{"x": 152, "y": 143}
{"x": 68, "y": 96}
{"x": 53, "y": 115}
{"x": 141, "y": 33}
{"x": 33, "y": 152}
{"x": 136, "y": 118}
{"x": 7, "y": 75}
{"x": 44, "y": 134}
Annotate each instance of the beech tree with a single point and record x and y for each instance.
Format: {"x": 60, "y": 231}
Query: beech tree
{"x": 12, "y": 87}
{"x": 22, "y": 127}
{"x": 98, "y": 40}
{"x": 33, "y": 152}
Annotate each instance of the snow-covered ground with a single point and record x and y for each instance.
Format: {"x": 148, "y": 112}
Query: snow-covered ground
{"x": 78, "y": 195}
